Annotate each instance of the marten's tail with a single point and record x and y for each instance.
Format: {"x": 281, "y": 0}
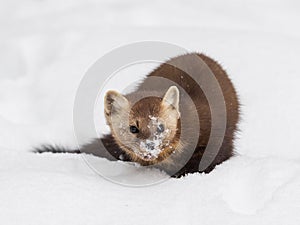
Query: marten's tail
{"x": 111, "y": 151}
{"x": 54, "y": 149}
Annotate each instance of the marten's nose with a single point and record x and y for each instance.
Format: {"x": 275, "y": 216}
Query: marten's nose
{"x": 150, "y": 146}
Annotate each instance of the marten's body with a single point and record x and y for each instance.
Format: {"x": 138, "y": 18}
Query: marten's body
{"x": 158, "y": 124}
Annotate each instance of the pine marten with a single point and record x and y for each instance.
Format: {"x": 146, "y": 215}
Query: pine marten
{"x": 156, "y": 124}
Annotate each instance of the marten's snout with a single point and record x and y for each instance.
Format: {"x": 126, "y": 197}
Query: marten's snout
{"x": 150, "y": 146}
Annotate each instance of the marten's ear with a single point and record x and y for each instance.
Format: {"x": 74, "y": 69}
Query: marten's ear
{"x": 171, "y": 98}
{"x": 115, "y": 103}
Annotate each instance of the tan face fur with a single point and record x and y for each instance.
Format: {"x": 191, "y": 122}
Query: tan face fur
{"x": 147, "y": 130}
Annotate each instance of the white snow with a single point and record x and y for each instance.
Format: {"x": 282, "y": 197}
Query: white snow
{"x": 47, "y": 46}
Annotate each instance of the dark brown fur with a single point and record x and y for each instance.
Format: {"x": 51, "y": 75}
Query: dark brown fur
{"x": 192, "y": 89}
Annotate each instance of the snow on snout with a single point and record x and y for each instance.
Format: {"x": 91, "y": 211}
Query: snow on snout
{"x": 152, "y": 147}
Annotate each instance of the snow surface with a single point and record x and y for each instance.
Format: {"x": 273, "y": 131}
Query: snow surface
{"x": 47, "y": 46}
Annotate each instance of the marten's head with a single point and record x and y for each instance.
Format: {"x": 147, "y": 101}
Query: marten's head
{"x": 148, "y": 130}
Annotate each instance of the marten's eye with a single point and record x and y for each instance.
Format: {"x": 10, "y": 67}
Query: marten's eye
{"x": 160, "y": 128}
{"x": 134, "y": 129}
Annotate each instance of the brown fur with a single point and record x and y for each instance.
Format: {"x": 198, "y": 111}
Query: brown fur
{"x": 152, "y": 106}
{"x": 178, "y": 156}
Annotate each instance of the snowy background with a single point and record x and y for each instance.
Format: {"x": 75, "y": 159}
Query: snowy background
{"x": 47, "y": 46}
